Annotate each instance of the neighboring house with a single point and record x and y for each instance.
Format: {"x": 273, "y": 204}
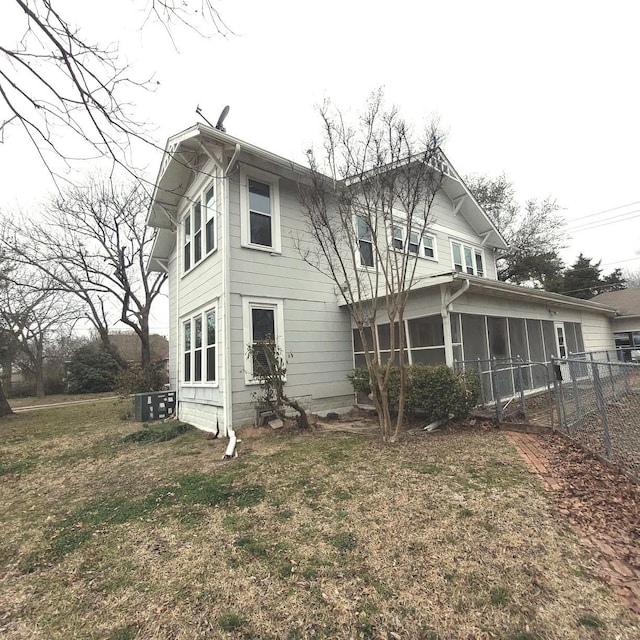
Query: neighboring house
{"x": 129, "y": 347}
{"x": 626, "y": 324}
{"x": 228, "y": 222}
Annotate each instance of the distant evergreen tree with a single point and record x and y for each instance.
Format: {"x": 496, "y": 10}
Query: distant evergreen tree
{"x": 583, "y": 279}
{"x": 92, "y": 370}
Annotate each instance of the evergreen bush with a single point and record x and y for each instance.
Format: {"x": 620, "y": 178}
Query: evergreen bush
{"x": 435, "y": 391}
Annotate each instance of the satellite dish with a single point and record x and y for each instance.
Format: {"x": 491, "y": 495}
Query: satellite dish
{"x": 223, "y": 115}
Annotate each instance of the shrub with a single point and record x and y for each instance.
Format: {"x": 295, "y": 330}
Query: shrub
{"x": 92, "y": 370}
{"x": 139, "y": 379}
{"x": 434, "y": 390}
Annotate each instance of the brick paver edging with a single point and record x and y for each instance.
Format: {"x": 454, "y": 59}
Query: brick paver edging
{"x": 624, "y": 580}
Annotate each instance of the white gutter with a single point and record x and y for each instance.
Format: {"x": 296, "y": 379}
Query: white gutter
{"x": 445, "y": 308}
{"x": 227, "y": 409}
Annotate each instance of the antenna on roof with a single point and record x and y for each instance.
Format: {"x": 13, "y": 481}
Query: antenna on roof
{"x": 223, "y": 115}
{"x": 199, "y": 112}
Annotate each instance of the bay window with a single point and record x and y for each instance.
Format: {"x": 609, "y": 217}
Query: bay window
{"x": 467, "y": 259}
{"x": 199, "y": 228}
{"x": 199, "y": 348}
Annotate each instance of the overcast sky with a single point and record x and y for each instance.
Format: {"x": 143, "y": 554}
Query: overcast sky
{"x": 547, "y": 92}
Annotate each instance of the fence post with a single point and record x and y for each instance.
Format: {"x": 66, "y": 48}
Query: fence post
{"x": 481, "y": 383}
{"x": 625, "y": 376}
{"x": 613, "y": 383}
{"x": 602, "y": 407}
{"x": 521, "y": 384}
{"x": 557, "y": 387}
{"x": 574, "y": 384}
{"x": 494, "y": 387}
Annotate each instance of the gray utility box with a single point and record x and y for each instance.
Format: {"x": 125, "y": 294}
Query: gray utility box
{"x": 154, "y": 406}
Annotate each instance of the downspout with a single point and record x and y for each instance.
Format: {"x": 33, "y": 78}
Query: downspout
{"x": 226, "y": 308}
{"x": 445, "y": 309}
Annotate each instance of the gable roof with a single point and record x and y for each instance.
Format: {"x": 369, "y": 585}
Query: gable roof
{"x": 181, "y": 157}
{"x": 626, "y": 301}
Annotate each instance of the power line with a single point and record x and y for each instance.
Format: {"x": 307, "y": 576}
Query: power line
{"x": 628, "y": 215}
{"x": 597, "y": 213}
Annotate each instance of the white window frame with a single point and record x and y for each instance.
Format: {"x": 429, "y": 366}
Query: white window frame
{"x": 434, "y": 246}
{"x": 273, "y": 181}
{"x": 474, "y": 252}
{"x": 188, "y": 221}
{"x": 248, "y": 304}
{"x": 190, "y": 321}
{"x": 402, "y": 237}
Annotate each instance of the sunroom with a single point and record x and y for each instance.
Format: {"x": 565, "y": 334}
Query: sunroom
{"x": 461, "y": 320}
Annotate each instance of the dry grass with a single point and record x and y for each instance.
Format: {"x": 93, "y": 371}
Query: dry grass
{"x": 327, "y": 535}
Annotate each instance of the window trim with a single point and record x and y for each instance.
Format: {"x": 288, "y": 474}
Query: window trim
{"x": 474, "y": 251}
{"x": 249, "y": 303}
{"x": 190, "y": 320}
{"x": 189, "y": 262}
{"x": 273, "y": 181}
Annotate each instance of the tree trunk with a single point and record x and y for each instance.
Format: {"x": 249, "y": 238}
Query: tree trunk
{"x": 5, "y": 409}
{"x": 145, "y": 343}
{"x": 7, "y": 367}
{"x": 38, "y": 371}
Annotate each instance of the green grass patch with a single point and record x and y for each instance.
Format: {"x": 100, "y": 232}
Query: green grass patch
{"x": 158, "y": 433}
{"x": 251, "y": 546}
{"x": 590, "y": 621}
{"x": 499, "y": 596}
{"x": 231, "y": 621}
{"x": 187, "y": 491}
{"x": 124, "y": 633}
{"x": 17, "y": 467}
{"x": 343, "y": 541}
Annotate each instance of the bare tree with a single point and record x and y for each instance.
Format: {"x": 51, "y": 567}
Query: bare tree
{"x": 373, "y": 180}
{"x": 534, "y": 232}
{"x": 632, "y": 278}
{"x": 52, "y": 77}
{"x": 92, "y": 242}
{"x": 36, "y": 314}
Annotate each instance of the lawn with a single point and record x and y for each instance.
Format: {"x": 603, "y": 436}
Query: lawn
{"x": 108, "y": 533}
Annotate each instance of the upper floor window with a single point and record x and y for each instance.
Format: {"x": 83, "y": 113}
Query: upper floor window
{"x": 199, "y": 348}
{"x": 365, "y": 242}
{"x": 200, "y": 228}
{"x": 467, "y": 259}
{"x": 259, "y": 200}
{"x": 423, "y": 246}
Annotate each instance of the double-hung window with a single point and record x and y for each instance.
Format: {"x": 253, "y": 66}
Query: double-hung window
{"x": 210, "y": 220}
{"x": 260, "y": 203}
{"x": 263, "y": 329}
{"x": 429, "y": 247}
{"x": 199, "y": 228}
{"x": 365, "y": 242}
{"x": 199, "y": 348}
{"x": 467, "y": 259}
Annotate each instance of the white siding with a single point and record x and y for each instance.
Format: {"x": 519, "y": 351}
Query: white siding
{"x": 173, "y": 327}
{"x": 626, "y": 324}
{"x": 200, "y": 289}
{"x": 597, "y": 332}
{"x": 317, "y": 332}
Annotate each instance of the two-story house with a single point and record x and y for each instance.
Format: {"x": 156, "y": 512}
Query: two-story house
{"x": 228, "y": 223}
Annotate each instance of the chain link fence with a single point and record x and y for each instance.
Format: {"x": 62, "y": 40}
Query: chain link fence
{"x": 513, "y": 389}
{"x": 598, "y": 405}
